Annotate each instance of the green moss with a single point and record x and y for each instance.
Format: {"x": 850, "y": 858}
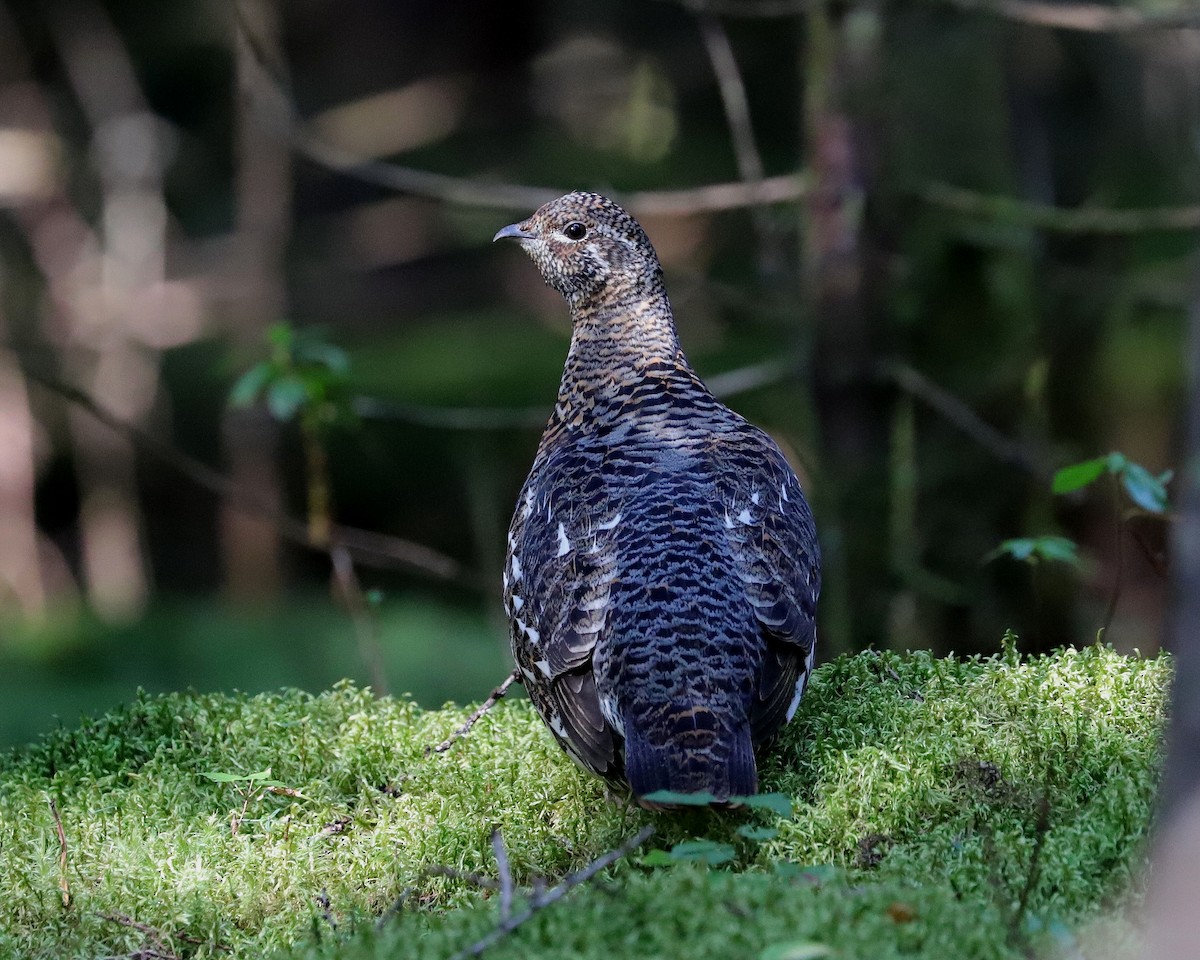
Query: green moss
{"x": 918, "y": 785}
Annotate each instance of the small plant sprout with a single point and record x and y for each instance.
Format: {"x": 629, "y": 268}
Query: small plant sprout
{"x": 251, "y": 787}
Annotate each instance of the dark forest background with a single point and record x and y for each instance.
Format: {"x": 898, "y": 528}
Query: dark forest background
{"x": 267, "y": 392}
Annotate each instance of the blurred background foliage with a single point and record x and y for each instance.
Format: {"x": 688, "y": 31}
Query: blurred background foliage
{"x": 939, "y": 248}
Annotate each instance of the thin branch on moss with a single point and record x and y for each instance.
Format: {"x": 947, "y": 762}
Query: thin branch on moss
{"x": 64, "y": 882}
{"x": 1071, "y": 220}
{"x": 375, "y": 549}
{"x": 493, "y": 698}
{"x": 157, "y": 935}
{"x": 505, "y": 874}
{"x": 542, "y": 900}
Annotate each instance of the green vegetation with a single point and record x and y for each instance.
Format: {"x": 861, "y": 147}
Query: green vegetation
{"x": 942, "y": 808}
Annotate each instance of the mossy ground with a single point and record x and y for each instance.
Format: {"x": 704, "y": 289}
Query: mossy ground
{"x": 924, "y": 791}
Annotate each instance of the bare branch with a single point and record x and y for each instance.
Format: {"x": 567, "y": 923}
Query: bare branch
{"x": 1060, "y": 219}
{"x": 493, "y": 698}
{"x": 733, "y": 97}
{"x": 963, "y": 417}
{"x": 366, "y": 546}
{"x": 741, "y": 130}
{"x": 554, "y": 894}
{"x": 274, "y": 105}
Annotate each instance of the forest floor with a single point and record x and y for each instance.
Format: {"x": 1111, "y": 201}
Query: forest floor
{"x": 935, "y": 808}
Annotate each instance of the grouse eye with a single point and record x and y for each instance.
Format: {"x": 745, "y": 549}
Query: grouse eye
{"x": 575, "y": 231}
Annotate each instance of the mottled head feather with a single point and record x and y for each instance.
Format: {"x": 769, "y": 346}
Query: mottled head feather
{"x": 588, "y": 247}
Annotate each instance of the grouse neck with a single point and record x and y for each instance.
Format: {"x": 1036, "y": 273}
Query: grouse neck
{"x": 618, "y": 346}
{"x": 624, "y": 329}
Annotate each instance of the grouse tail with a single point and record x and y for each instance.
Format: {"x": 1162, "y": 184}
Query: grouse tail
{"x": 691, "y": 753}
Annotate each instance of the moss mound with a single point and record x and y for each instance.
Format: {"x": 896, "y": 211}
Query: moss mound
{"x": 941, "y": 808}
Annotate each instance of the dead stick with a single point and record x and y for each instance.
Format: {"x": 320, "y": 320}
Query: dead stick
{"x": 64, "y": 882}
{"x": 478, "y": 712}
{"x": 555, "y": 894}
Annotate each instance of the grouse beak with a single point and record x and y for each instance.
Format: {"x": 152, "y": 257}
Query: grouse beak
{"x": 513, "y": 231}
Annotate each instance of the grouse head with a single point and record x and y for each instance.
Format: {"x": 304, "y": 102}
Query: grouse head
{"x": 588, "y": 248}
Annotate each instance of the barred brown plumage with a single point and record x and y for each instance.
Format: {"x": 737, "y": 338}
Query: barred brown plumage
{"x": 663, "y": 566}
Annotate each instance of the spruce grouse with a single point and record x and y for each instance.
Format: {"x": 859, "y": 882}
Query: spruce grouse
{"x": 663, "y": 566}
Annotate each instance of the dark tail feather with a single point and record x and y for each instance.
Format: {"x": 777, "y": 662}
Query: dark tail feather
{"x": 696, "y": 760}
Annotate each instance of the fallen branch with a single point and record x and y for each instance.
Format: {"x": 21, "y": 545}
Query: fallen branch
{"x": 493, "y": 698}
{"x": 542, "y": 900}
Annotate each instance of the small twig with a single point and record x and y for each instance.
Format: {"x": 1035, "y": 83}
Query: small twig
{"x": 506, "y": 881}
{"x": 395, "y": 908}
{"x": 478, "y": 712}
{"x": 1101, "y": 220}
{"x": 157, "y": 935}
{"x": 366, "y": 628}
{"x": 64, "y": 883}
{"x": 554, "y": 894}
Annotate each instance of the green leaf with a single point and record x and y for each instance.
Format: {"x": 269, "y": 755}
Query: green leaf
{"x": 1079, "y": 475}
{"x": 247, "y": 388}
{"x": 1033, "y": 549}
{"x": 658, "y": 858}
{"x": 285, "y": 396}
{"x": 1057, "y": 548}
{"x": 797, "y": 950}
{"x": 701, "y": 799}
{"x": 775, "y": 802}
{"x": 752, "y": 832}
{"x": 1020, "y": 548}
{"x": 703, "y": 851}
{"x": 323, "y": 354}
{"x": 1144, "y": 489}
